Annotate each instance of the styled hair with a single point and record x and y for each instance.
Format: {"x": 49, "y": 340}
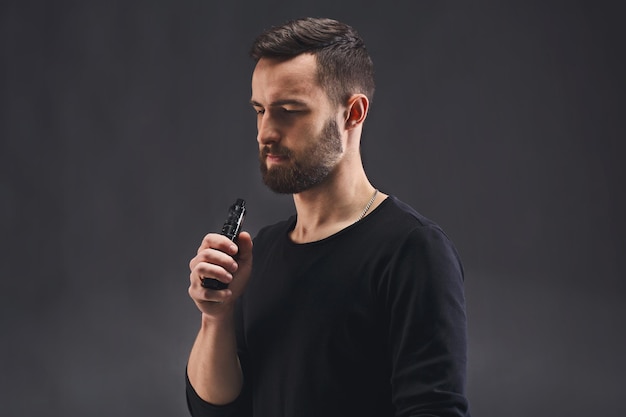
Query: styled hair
{"x": 344, "y": 66}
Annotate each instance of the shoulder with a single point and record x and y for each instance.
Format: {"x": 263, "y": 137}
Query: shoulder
{"x": 408, "y": 231}
{"x": 401, "y": 220}
{"x": 274, "y": 232}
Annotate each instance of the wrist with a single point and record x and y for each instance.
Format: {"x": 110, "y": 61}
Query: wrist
{"x": 225, "y": 317}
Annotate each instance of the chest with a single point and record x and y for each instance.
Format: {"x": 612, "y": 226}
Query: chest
{"x": 310, "y": 301}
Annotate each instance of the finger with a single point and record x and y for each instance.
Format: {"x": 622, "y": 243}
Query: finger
{"x": 214, "y": 256}
{"x": 208, "y": 298}
{"x": 219, "y": 242}
{"x": 244, "y": 246}
{"x": 209, "y": 270}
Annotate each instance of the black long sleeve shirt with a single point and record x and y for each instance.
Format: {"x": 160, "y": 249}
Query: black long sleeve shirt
{"x": 367, "y": 322}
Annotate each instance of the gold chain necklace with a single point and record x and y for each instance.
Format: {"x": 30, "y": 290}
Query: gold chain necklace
{"x": 369, "y": 204}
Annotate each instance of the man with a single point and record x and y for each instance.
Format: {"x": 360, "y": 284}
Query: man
{"x": 352, "y": 307}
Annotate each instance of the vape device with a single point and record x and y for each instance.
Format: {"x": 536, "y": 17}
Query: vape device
{"x": 231, "y": 230}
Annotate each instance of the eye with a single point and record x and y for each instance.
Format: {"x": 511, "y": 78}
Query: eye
{"x": 259, "y": 110}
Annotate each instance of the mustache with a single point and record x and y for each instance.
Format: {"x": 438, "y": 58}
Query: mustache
{"x": 276, "y": 150}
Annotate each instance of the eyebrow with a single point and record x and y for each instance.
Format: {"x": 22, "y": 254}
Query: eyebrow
{"x": 284, "y": 102}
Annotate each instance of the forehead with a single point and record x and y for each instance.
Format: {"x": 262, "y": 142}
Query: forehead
{"x": 278, "y": 79}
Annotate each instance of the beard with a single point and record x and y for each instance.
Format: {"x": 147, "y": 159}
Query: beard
{"x": 306, "y": 170}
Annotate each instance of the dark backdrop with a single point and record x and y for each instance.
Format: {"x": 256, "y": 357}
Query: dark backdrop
{"x": 126, "y": 133}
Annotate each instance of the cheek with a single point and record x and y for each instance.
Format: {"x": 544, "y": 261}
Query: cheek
{"x": 300, "y": 135}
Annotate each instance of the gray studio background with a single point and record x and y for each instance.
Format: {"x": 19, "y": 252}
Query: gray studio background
{"x": 126, "y": 133}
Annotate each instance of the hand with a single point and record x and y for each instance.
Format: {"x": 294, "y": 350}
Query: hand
{"x": 221, "y": 259}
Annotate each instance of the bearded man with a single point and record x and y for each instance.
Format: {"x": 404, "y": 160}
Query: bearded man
{"x": 354, "y": 306}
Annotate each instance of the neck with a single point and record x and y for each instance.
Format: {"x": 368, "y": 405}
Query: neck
{"x": 332, "y": 206}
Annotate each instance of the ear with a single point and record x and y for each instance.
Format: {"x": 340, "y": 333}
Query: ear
{"x": 356, "y": 111}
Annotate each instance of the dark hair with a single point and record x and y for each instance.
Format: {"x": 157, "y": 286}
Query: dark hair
{"x": 344, "y": 66}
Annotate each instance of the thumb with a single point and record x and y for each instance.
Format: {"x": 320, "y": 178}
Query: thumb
{"x": 244, "y": 243}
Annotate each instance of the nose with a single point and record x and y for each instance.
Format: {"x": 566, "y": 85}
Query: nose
{"x": 267, "y": 131}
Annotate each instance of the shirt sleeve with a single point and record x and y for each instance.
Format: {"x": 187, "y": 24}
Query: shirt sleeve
{"x": 424, "y": 304}
{"x": 199, "y": 408}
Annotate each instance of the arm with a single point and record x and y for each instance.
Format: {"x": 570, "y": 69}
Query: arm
{"x": 213, "y": 370}
{"x": 427, "y": 326}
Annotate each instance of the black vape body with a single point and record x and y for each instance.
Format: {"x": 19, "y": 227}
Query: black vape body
{"x": 231, "y": 230}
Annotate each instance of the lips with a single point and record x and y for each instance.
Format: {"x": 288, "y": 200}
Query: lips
{"x": 275, "y": 155}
